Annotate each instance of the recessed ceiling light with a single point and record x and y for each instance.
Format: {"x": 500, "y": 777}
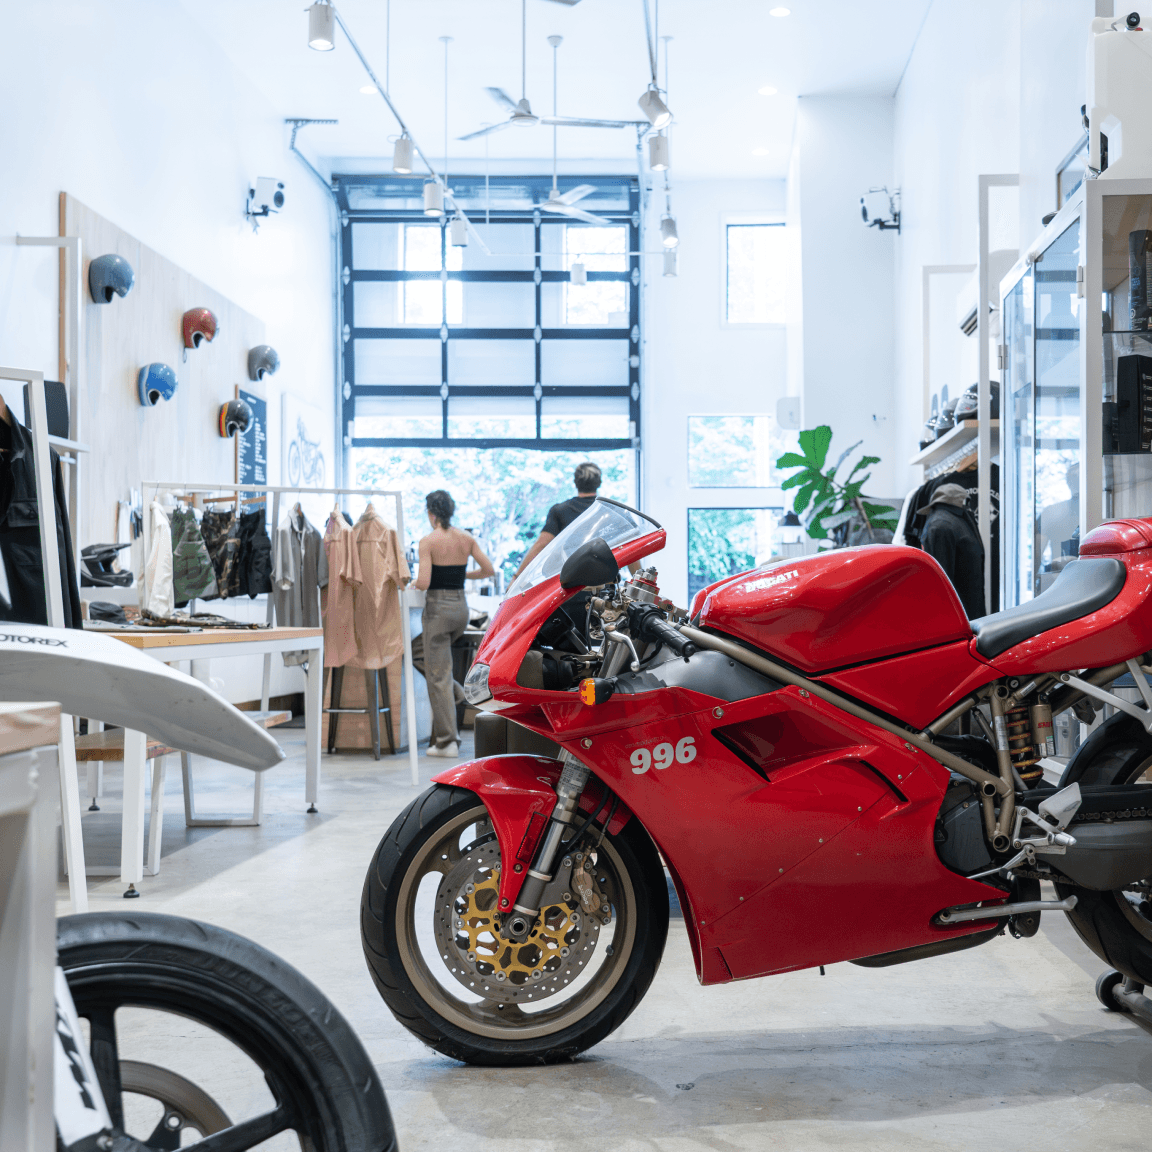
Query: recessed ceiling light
{"x": 779, "y": 11}
{"x": 767, "y": 90}
{"x": 760, "y": 152}
{"x": 368, "y": 90}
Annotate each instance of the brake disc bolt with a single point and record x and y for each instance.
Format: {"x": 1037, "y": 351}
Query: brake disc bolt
{"x": 469, "y": 889}
{"x": 472, "y": 957}
{"x": 536, "y": 974}
{"x": 566, "y": 897}
{"x": 564, "y": 951}
{"x": 500, "y": 977}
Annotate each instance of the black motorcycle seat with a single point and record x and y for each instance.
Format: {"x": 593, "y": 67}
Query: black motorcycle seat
{"x": 1081, "y": 588}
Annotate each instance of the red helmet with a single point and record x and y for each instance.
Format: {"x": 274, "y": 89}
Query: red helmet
{"x": 199, "y": 324}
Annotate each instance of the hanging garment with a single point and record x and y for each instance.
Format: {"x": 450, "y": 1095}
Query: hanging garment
{"x": 254, "y": 560}
{"x": 914, "y": 524}
{"x": 192, "y": 572}
{"x": 301, "y": 570}
{"x": 336, "y": 600}
{"x": 951, "y": 538}
{"x": 376, "y": 605}
{"x": 222, "y": 539}
{"x": 20, "y": 533}
{"x": 156, "y": 587}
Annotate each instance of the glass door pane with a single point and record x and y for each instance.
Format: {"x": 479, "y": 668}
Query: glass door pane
{"x": 1017, "y": 425}
{"x": 1057, "y": 408}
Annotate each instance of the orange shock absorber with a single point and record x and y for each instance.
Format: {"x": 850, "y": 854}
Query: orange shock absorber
{"x": 1021, "y": 747}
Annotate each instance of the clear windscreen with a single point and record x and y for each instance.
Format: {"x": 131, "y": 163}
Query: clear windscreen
{"x": 615, "y": 523}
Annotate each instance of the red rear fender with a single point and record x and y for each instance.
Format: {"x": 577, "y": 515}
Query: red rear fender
{"x": 520, "y": 792}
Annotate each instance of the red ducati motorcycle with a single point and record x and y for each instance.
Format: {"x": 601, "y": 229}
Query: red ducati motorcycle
{"x": 830, "y": 760}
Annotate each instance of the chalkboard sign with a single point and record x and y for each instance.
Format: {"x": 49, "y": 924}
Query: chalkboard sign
{"x": 252, "y": 446}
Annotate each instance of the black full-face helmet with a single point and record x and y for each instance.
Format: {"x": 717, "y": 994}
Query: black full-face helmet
{"x": 235, "y": 416}
{"x": 262, "y": 361}
{"x": 108, "y": 276}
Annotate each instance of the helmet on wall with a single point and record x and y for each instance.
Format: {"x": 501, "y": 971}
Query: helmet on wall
{"x": 155, "y": 382}
{"x": 235, "y": 416}
{"x": 108, "y": 275}
{"x": 262, "y": 361}
{"x": 199, "y": 324}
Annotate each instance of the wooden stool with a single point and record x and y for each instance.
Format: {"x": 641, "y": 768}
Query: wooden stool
{"x": 379, "y": 702}
{"x": 108, "y": 747}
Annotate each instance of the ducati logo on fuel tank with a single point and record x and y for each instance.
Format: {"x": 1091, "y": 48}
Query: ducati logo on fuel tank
{"x": 769, "y": 581}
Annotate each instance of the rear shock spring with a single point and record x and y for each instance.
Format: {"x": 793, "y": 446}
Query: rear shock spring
{"x": 1021, "y": 748}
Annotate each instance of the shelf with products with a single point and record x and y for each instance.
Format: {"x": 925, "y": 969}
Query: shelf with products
{"x": 963, "y": 435}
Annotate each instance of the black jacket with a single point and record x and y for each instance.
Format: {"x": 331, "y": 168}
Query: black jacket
{"x": 950, "y": 536}
{"x": 20, "y": 534}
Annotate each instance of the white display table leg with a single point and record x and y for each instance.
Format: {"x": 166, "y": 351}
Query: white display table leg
{"x": 313, "y": 711}
{"x": 156, "y": 822}
{"x": 132, "y": 826}
{"x": 70, "y": 818}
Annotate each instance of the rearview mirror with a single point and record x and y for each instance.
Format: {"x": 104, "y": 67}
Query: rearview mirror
{"x": 592, "y": 563}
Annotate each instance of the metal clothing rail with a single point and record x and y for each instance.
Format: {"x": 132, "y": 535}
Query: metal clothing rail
{"x": 275, "y": 491}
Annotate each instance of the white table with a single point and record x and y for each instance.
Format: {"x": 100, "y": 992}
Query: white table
{"x": 200, "y": 648}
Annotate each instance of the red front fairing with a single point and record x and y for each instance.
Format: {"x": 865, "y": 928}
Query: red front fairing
{"x": 796, "y": 836}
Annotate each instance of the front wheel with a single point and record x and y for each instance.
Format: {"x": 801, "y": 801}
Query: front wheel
{"x": 430, "y": 929}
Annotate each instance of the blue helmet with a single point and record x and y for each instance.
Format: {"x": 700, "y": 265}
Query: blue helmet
{"x": 155, "y": 382}
{"x": 262, "y": 361}
{"x": 107, "y": 275}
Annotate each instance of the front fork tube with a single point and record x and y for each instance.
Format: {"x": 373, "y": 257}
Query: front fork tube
{"x": 573, "y": 778}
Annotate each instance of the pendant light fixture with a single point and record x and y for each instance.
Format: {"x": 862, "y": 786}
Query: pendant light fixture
{"x": 578, "y": 273}
{"x": 658, "y": 153}
{"x": 671, "y": 262}
{"x": 650, "y": 103}
{"x": 668, "y": 234}
{"x": 433, "y": 199}
{"x": 402, "y": 155}
{"x": 321, "y": 27}
{"x": 458, "y": 232}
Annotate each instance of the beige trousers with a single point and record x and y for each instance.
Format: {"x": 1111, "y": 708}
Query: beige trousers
{"x": 445, "y": 617}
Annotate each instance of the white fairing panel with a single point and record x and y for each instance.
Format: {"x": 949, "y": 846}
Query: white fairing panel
{"x": 104, "y": 679}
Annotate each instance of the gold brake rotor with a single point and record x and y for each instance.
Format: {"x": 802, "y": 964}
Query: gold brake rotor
{"x": 467, "y": 926}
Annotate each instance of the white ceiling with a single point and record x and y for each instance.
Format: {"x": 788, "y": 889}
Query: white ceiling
{"x": 720, "y": 53}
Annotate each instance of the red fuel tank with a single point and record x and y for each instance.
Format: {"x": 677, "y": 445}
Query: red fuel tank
{"x": 840, "y": 608}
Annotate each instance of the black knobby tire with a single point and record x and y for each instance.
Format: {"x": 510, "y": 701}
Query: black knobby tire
{"x": 313, "y": 1063}
{"x": 1117, "y": 929}
{"x": 382, "y": 920}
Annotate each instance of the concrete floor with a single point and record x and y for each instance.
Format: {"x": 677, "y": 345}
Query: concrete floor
{"x": 1004, "y": 1046}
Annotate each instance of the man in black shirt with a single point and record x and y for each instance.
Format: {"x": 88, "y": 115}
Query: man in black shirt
{"x": 587, "y": 478}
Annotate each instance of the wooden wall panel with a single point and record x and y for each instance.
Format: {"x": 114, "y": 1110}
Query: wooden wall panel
{"x": 178, "y": 439}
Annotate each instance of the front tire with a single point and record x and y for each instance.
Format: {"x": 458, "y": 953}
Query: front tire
{"x": 438, "y": 962}
{"x": 1117, "y": 925}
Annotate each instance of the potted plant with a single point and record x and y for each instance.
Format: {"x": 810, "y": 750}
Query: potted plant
{"x": 835, "y": 513}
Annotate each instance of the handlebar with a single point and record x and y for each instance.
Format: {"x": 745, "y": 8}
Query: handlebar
{"x": 646, "y": 622}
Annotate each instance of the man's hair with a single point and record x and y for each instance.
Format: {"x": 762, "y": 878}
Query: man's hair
{"x": 587, "y": 477}
{"x": 441, "y": 505}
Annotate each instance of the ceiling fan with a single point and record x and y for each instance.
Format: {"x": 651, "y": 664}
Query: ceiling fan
{"x": 521, "y": 111}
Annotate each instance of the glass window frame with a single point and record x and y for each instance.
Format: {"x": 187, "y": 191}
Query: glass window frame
{"x": 625, "y": 188}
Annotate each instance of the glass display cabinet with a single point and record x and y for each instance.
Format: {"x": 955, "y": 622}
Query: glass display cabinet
{"x": 1076, "y": 401}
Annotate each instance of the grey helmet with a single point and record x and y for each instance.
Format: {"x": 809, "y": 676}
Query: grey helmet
{"x": 235, "y": 416}
{"x": 110, "y": 274}
{"x": 262, "y": 361}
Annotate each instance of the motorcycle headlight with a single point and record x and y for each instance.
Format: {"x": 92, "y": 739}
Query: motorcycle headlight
{"x": 476, "y": 685}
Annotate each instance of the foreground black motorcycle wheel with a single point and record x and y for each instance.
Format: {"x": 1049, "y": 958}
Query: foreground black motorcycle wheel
{"x": 1117, "y": 925}
{"x": 324, "y": 1085}
{"x": 427, "y": 921}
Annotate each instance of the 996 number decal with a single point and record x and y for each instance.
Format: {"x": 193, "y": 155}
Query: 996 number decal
{"x": 663, "y": 754}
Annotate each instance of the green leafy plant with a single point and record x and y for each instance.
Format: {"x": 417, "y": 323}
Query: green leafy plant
{"x": 832, "y": 511}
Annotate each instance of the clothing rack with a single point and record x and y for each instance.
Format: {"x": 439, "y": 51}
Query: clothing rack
{"x": 276, "y": 492}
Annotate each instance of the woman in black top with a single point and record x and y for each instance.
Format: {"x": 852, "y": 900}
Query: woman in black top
{"x": 444, "y": 555}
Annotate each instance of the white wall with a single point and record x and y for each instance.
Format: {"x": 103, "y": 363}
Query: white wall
{"x": 132, "y": 109}
{"x": 843, "y": 147}
{"x": 696, "y": 364}
{"x": 992, "y": 86}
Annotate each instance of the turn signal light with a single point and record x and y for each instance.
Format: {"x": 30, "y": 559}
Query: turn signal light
{"x": 596, "y": 691}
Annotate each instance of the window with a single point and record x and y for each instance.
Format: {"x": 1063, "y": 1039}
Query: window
{"x": 756, "y": 267}
{"x": 735, "y": 451}
{"x": 484, "y": 369}
{"x": 726, "y": 541}
{"x": 495, "y": 339}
